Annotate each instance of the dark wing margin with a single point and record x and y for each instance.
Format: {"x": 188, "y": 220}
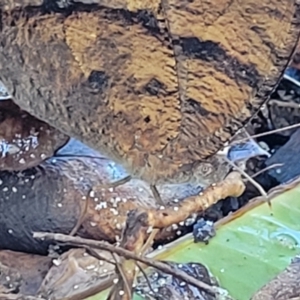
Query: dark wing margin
{"x": 230, "y": 57}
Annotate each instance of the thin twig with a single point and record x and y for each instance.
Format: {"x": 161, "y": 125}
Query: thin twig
{"x": 266, "y": 169}
{"x": 146, "y": 277}
{"x": 266, "y": 133}
{"x": 255, "y": 183}
{"x": 128, "y": 255}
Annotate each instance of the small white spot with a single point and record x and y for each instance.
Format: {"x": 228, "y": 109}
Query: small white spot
{"x": 176, "y": 208}
{"x": 92, "y": 193}
{"x": 5, "y": 189}
{"x": 124, "y": 200}
{"x": 104, "y": 270}
{"x": 83, "y": 197}
{"x": 161, "y": 207}
{"x": 150, "y": 229}
{"x": 59, "y": 204}
{"x": 7, "y": 278}
{"x": 101, "y": 205}
{"x": 140, "y": 189}
{"x": 93, "y": 224}
{"x": 23, "y": 196}
{"x": 1, "y": 181}
{"x": 43, "y": 156}
{"x": 174, "y": 226}
{"x": 181, "y": 223}
{"x": 178, "y": 232}
{"x": 22, "y": 161}
{"x": 10, "y": 231}
{"x": 101, "y": 263}
{"x": 91, "y": 267}
{"x": 14, "y": 189}
{"x": 76, "y": 286}
{"x": 176, "y": 200}
{"x": 32, "y": 155}
{"x": 114, "y": 211}
{"x": 116, "y": 280}
{"x": 111, "y": 189}
{"x": 121, "y": 293}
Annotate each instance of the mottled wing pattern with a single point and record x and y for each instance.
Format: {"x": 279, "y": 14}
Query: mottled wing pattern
{"x": 229, "y": 58}
{"x": 156, "y": 84}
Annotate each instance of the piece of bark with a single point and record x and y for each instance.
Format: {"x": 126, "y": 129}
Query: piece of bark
{"x": 284, "y": 286}
{"x": 29, "y": 269}
{"x": 24, "y": 140}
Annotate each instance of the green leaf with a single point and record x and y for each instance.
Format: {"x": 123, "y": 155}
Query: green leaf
{"x": 249, "y": 250}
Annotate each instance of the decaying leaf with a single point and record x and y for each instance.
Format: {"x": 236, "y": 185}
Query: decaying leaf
{"x": 285, "y": 286}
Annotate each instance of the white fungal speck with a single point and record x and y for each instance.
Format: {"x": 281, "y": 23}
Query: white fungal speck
{"x": 10, "y": 231}
{"x": 176, "y": 208}
{"x": 92, "y": 193}
{"x": 56, "y": 262}
{"x": 111, "y": 189}
{"x": 90, "y": 267}
{"x": 32, "y": 155}
{"x": 23, "y": 196}
{"x": 116, "y": 280}
{"x": 43, "y": 156}
{"x": 93, "y": 224}
{"x": 5, "y": 189}
{"x": 150, "y": 229}
{"x": 22, "y": 161}
{"x": 161, "y": 207}
{"x": 76, "y": 286}
{"x": 114, "y": 211}
{"x": 175, "y": 200}
{"x": 59, "y": 204}
{"x": 83, "y": 197}
{"x": 101, "y": 205}
{"x": 1, "y": 181}
{"x": 14, "y": 189}
{"x": 178, "y": 232}
{"x": 174, "y": 226}
{"x": 181, "y": 223}
{"x": 121, "y": 293}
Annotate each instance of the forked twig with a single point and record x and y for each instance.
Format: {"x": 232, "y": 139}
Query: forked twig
{"x": 128, "y": 255}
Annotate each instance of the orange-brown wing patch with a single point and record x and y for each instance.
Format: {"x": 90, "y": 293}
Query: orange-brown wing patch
{"x": 142, "y": 91}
